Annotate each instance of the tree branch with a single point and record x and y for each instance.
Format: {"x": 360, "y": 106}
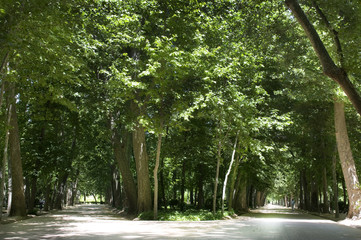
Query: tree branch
{"x": 333, "y": 32}
{"x": 329, "y": 68}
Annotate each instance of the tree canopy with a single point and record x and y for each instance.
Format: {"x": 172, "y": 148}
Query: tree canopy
{"x": 106, "y": 91}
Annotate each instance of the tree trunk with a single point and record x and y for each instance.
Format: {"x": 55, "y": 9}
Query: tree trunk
{"x": 335, "y": 187}
{"x": 301, "y": 205}
{"x": 183, "y": 182}
{"x": 227, "y": 174}
{"x": 240, "y": 199}
{"x": 314, "y": 196}
{"x": 18, "y": 207}
{"x": 4, "y": 160}
{"x": 330, "y": 69}
{"x": 116, "y": 187}
{"x": 60, "y": 192}
{"x": 325, "y": 189}
{"x": 74, "y": 189}
{"x": 47, "y": 204}
{"x": 200, "y": 194}
{"x": 33, "y": 191}
{"x": 10, "y": 189}
{"x": 232, "y": 186}
{"x": 217, "y": 175}
{"x": 142, "y": 167}
{"x": 162, "y": 185}
{"x": 122, "y": 157}
{"x": 155, "y": 172}
{"x": 258, "y": 199}
{"x": 305, "y": 190}
{"x": 347, "y": 162}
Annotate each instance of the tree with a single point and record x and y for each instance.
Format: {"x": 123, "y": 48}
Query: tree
{"x": 18, "y": 206}
{"x": 330, "y": 69}
{"x": 347, "y": 162}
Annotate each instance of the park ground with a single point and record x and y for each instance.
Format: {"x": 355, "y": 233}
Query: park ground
{"x": 101, "y": 222}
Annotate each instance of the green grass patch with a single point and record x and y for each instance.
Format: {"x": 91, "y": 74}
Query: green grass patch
{"x": 188, "y": 215}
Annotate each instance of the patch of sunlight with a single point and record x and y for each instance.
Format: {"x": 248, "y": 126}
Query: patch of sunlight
{"x": 282, "y": 220}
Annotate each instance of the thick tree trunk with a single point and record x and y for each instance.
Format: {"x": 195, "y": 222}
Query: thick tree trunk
{"x": 314, "y": 196}
{"x": 141, "y": 161}
{"x": 122, "y": 157}
{"x": 18, "y": 207}
{"x": 329, "y": 67}
{"x": 155, "y": 172}
{"x": 60, "y": 192}
{"x": 142, "y": 166}
{"x": 347, "y": 162}
{"x": 305, "y": 190}
{"x": 258, "y": 199}
{"x": 240, "y": 199}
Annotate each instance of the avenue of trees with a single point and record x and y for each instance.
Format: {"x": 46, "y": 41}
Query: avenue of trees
{"x": 154, "y": 104}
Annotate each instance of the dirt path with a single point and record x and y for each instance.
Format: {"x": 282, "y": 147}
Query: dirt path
{"x": 99, "y": 222}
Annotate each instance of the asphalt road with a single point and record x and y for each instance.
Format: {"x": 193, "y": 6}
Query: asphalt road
{"x": 98, "y": 222}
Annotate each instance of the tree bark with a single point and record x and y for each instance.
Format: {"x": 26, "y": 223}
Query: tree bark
{"x": 232, "y": 186}
{"x": 60, "y": 191}
{"x": 301, "y": 205}
{"x": 4, "y": 160}
{"x": 217, "y": 175}
{"x": 155, "y": 172}
{"x": 183, "y": 183}
{"x": 240, "y": 199}
{"x": 330, "y": 69}
{"x": 122, "y": 157}
{"x": 347, "y": 162}
{"x": 116, "y": 187}
{"x": 305, "y": 190}
{"x": 142, "y": 167}
{"x": 4, "y": 62}
{"x": 325, "y": 190}
{"x": 200, "y": 194}
{"x": 18, "y": 207}
{"x": 228, "y": 172}
{"x": 335, "y": 187}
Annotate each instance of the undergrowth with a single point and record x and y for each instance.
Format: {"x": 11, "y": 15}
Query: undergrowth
{"x": 188, "y": 215}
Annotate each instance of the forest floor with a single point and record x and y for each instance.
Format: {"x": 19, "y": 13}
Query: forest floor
{"x": 101, "y": 222}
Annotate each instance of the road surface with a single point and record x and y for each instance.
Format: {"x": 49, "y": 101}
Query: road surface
{"x": 92, "y": 222}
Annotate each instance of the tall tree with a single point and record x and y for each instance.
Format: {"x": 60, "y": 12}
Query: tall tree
{"x": 18, "y": 206}
{"x": 347, "y": 162}
{"x": 330, "y": 69}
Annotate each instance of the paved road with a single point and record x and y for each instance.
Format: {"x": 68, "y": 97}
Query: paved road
{"x": 98, "y": 222}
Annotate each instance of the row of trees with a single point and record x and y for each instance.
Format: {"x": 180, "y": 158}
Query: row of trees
{"x": 180, "y": 103}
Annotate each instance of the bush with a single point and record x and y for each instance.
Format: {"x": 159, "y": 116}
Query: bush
{"x": 188, "y": 215}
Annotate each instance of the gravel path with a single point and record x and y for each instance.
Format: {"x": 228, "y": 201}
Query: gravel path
{"x": 99, "y": 222}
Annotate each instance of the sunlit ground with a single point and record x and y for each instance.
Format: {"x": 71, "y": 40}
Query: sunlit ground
{"x": 98, "y": 222}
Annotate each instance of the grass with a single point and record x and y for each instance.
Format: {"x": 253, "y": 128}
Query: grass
{"x": 188, "y": 215}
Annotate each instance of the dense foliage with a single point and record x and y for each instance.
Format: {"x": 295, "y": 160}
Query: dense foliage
{"x": 216, "y": 80}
